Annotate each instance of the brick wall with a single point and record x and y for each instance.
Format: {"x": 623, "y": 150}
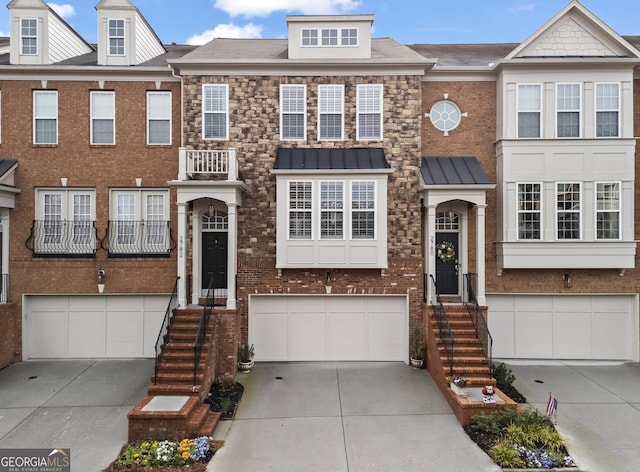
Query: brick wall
{"x": 9, "y": 318}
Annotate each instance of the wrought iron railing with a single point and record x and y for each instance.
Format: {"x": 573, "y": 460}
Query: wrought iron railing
{"x": 446, "y": 335}
{"x": 482, "y": 330}
{"x": 166, "y": 326}
{"x": 202, "y": 330}
{"x": 146, "y": 238}
{"x": 54, "y": 238}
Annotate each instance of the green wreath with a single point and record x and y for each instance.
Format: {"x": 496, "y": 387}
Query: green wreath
{"x": 445, "y": 251}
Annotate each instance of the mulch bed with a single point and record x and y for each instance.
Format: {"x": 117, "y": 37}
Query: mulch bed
{"x": 224, "y": 403}
{"x": 514, "y": 394}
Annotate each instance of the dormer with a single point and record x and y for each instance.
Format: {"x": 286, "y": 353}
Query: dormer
{"x": 329, "y": 36}
{"x": 124, "y": 35}
{"x": 40, "y": 36}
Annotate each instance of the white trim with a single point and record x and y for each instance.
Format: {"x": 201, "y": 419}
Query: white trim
{"x": 579, "y": 212}
{"x": 320, "y": 112}
{"x": 596, "y": 110}
{"x": 36, "y": 118}
{"x": 578, "y": 110}
{"x": 303, "y": 113}
{"x": 161, "y": 93}
{"x": 595, "y": 207}
{"x": 540, "y": 211}
{"x": 225, "y": 87}
{"x": 540, "y": 110}
{"x": 380, "y": 89}
{"x": 123, "y": 37}
{"x": 374, "y": 210}
{"x": 289, "y": 210}
{"x": 36, "y": 37}
{"x": 320, "y": 210}
{"x": 92, "y": 117}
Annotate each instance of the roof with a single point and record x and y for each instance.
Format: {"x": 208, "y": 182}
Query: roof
{"x": 465, "y": 54}
{"x": 91, "y": 59}
{"x": 331, "y": 159}
{"x": 6, "y": 165}
{"x": 452, "y": 171}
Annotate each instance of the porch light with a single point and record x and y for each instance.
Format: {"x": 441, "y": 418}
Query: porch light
{"x": 212, "y": 211}
{"x": 101, "y": 277}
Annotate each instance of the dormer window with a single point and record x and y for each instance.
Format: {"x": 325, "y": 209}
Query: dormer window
{"x": 29, "y": 36}
{"x": 349, "y": 37}
{"x": 309, "y": 37}
{"x": 116, "y": 37}
{"x": 331, "y": 37}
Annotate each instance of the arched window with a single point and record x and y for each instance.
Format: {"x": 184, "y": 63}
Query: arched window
{"x": 447, "y": 221}
{"x": 219, "y": 221}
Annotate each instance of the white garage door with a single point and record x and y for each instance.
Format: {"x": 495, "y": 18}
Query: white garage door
{"x": 332, "y": 327}
{"x": 92, "y": 326}
{"x": 595, "y": 327}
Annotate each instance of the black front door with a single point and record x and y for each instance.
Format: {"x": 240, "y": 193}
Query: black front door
{"x": 447, "y": 263}
{"x": 214, "y": 260}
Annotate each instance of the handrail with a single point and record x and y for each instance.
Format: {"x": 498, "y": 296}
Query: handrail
{"x": 202, "y": 330}
{"x": 163, "y": 336}
{"x": 482, "y": 330}
{"x": 446, "y": 335}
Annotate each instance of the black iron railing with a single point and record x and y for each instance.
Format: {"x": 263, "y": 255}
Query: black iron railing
{"x": 446, "y": 335}
{"x": 202, "y": 330}
{"x": 138, "y": 238}
{"x": 166, "y": 326}
{"x": 54, "y": 238}
{"x": 482, "y": 330}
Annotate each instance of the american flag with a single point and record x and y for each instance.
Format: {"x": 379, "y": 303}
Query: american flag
{"x": 552, "y": 406}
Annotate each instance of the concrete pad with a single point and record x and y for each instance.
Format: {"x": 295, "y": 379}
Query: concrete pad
{"x": 622, "y": 379}
{"x": 283, "y": 445}
{"x": 165, "y": 403}
{"x": 10, "y": 418}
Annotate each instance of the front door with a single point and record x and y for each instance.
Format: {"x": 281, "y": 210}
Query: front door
{"x": 214, "y": 262}
{"x": 447, "y": 263}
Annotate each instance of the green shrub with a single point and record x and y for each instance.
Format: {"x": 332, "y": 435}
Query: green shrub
{"x": 495, "y": 422}
{"x": 506, "y": 455}
{"x": 226, "y": 384}
{"x": 503, "y": 375}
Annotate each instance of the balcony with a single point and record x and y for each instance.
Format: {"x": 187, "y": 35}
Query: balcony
{"x": 208, "y": 164}
{"x": 138, "y": 239}
{"x": 59, "y": 238}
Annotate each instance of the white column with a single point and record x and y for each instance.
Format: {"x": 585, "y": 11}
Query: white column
{"x": 480, "y": 259}
{"x": 430, "y": 250}
{"x": 182, "y": 164}
{"x": 232, "y": 255}
{"x": 182, "y": 254}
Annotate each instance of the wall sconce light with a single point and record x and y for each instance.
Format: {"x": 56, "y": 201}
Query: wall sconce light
{"x": 138, "y": 182}
{"x": 101, "y": 277}
{"x": 212, "y": 211}
{"x": 63, "y": 181}
{"x": 568, "y": 281}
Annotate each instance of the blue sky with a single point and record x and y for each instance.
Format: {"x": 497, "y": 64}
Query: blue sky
{"x": 407, "y": 21}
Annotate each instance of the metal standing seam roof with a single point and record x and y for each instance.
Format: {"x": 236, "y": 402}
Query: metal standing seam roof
{"x": 452, "y": 171}
{"x": 331, "y": 159}
{"x": 6, "y": 165}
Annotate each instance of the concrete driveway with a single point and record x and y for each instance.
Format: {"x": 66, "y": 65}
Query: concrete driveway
{"x": 80, "y": 404}
{"x": 355, "y": 417}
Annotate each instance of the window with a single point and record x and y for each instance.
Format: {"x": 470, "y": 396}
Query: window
{"x": 158, "y": 117}
{"x": 329, "y": 37}
{"x": 445, "y": 116}
{"x": 529, "y": 110}
{"x": 568, "y": 210}
{"x": 369, "y": 116}
{"x": 568, "y": 102}
{"x": 331, "y": 210}
{"x": 349, "y": 37}
{"x": 529, "y": 210}
{"x": 45, "y": 117}
{"x": 116, "y": 37}
{"x": 215, "y": 113}
{"x": 309, "y": 37}
{"x": 607, "y": 210}
{"x": 29, "y": 36}
{"x": 607, "y": 110}
{"x": 293, "y": 111}
{"x": 103, "y": 120}
{"x": 300, "y": 211}
{"x": 331, "y": 112}
{"x": 363, "y": 210}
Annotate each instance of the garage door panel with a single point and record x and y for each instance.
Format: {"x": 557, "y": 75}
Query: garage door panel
{"x": 87, "y": 334}
{"x": 533, "y": 335}
{"x": 572, "y": 336}
{"x": 502, "y": 327}
{"x": 611, "y": 336}
{"x": 48, "y": 336}
{"x": 152, "y": 324}
{"x": 124, "y": 333}
{"x": 79, "y": 303}
{"x": 345, "y": 304}
{"x": 533, "y": 303}
{"x": 307, "y": 305}
{"x": 386, "y": 341}
{"x": 274, "y": 330}
{"x": 573, "y": 304}
{"x": 347, "y": 336}
{"x": 308, "y": 340}
{"x": 125, "y": 303}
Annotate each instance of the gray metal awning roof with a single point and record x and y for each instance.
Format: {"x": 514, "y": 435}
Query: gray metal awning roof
{"x": 331, "y": 159}
{"x": 452, "y": 171}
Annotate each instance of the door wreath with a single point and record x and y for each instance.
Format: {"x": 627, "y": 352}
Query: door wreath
{"x": 445, "y": 251}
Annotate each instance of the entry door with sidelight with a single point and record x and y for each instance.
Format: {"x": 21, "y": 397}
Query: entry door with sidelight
{"x": 447, "y": 253}
{"x": 214, "y": 262}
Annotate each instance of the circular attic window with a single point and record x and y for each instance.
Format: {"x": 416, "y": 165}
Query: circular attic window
{"x": 445, "y": 115}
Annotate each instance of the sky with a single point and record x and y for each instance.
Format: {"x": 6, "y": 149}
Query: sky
{"x": 407, "y": 21}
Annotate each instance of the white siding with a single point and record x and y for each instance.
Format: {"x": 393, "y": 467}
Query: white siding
{"x": 146, "y": 42}
{"x": 64, "y": 43}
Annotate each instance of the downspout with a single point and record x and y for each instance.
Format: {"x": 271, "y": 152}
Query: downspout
{"x": 181, "y": 103}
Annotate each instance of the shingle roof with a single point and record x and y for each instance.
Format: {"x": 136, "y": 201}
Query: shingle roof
{"x": 452, "y": 171}
{"x": 331, "y": 159}
{"x": 464, "y": 54}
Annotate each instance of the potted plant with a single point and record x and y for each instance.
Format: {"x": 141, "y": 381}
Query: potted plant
{"x": 245, "y": 357}
{"x": 459, "y": 386}
{"x": 416, "y": 349}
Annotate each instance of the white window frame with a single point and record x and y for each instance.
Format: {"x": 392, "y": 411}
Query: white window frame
{"x": 287, "y": 109}
{"x": 106, "y": 117}
{"x": 538, "y": 211}
{"x": 326, "y": 40}
{"x": 39, "y": 116}
{"x": 308, "y": 211}
{"x": 330, "y": 102}
{"x": 345, "y": 35}
{"x": 363, "y": 107}
{"x": 311, "y": 39}
{"x": 567, "y": 211}
{"x": 212, "y": 107}
{"x": 618, "y": 210}
{"x": 561, "y": 109}
{"x": 120, "y": 39}
{"x": 353, "y": 211}
{"x": 616, "y": 109}
{"x": 29, "y": 36}
{"x": 337, "y": 224}
{"x": 159, "y": 113}
{"x": 538, "y": 110}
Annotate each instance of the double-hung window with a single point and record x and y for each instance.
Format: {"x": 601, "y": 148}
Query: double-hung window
{"x": 330, "y": 112}
{"x": 45, "y": 117}
{"x": 529, "y": 110}
{"x": 529, "y": 211}
{"x": 293, "y": 112}
{"x": 607, "y": 110}
{"x": 158, "y": 117}
{"x": 349, "y": 37}
{"x": 116, "y": 37}
{"x": 103, "y": 117}
{"x": 215, "y": 112}
{"x": 369, "y": 112}
{"x": 363, "y": 210}
{"x": 568, "y": 210}
{"x": 568, "y": 101}
{"x": 29, "y": 36}
{"x": 332, "y": 210}
{"x": 329, "y": 37}
{"x": 607, "y": 210}
{"x": 300, "y": 210}
{"x": 309, "y": 37}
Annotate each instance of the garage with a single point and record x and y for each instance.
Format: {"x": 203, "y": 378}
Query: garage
{"x": 101, "y": 326}
{"x": 590, "y": 327}
{"x": 329, "y": 328}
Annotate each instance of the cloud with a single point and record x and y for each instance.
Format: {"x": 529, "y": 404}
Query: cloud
{"x": 65, "y": 11}
{"x": 523, "y": 7}
{"x": 227, "y": 30}
{"x": 251, "y": 8}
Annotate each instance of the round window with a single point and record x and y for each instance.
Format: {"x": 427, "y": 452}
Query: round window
{"x": 445, "y": 115}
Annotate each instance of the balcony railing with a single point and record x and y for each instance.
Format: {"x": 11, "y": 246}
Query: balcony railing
{"x": 54, "y": 238}
{"x": 148, "y": 238}
{"x": 208, "y": 162}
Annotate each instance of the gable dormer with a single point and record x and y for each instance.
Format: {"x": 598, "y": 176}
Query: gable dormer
{"x": 329, "y": 36}
{"x": 124, "y": 35}
{"x": 40, "y": 36}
